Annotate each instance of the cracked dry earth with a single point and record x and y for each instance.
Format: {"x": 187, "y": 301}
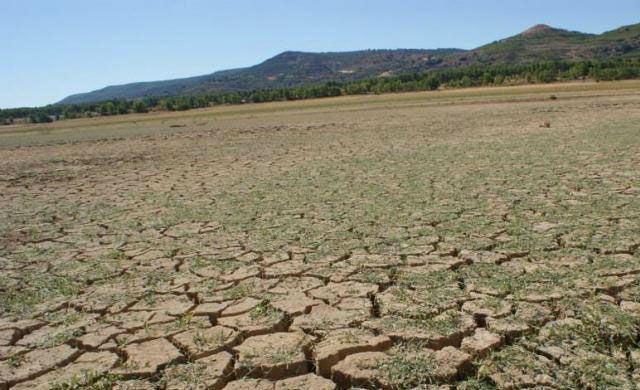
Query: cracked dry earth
{"x": 375, "y": 243}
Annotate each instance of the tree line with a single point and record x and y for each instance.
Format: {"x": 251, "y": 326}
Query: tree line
{"x": 472, "y": 76}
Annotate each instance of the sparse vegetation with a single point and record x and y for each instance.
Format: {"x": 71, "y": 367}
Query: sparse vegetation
{"x": 467, "y": 77}
{"x": 408, "y": 367}
{"x": 458, "y": 240}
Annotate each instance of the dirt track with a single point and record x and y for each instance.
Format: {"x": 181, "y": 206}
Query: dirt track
{"x": 378, "y": 243}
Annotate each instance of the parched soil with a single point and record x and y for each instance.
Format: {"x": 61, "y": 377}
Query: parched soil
{"x": 443, "y": 240}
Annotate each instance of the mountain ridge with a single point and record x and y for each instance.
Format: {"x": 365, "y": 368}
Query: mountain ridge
{"x": 297, "y": 68}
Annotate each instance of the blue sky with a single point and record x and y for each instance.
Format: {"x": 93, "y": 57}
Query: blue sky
{"x": 51, "y": 49}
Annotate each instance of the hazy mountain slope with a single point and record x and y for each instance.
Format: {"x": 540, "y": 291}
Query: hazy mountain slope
{"x": 539, "y": 43}
{"x": 134, "y": 90}
{"x": 545, "y": 43}
{"x": 622, "y": 41}
{"x": 284, "y": 70}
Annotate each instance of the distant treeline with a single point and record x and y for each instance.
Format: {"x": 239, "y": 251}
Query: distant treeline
{"x": 487, "y": 75}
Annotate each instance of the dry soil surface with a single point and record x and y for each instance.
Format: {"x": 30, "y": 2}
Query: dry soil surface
{"x": 443, "y": 240}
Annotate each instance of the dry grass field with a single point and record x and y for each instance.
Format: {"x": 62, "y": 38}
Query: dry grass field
{"x": 469, "y": 239}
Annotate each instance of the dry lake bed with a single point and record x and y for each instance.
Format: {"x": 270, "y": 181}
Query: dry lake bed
{"x": 467, "y": 239}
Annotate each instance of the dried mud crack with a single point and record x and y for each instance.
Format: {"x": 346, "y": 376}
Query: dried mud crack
{"x": 448, "y": 246}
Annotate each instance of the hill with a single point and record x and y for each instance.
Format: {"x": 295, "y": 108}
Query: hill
{"x": 545, "y": 43}
{"x": 287, "y": 69}
{"x": 291, "y": 68}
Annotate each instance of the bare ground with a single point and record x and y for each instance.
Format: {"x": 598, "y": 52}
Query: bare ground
{"x": 405, "y": 241}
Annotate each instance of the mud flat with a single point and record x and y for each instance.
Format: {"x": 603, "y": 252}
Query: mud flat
{"x": 461, "y": 239}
